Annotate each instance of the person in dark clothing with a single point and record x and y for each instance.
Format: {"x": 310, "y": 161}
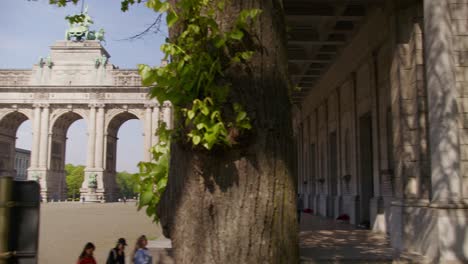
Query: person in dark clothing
{"x": 300, "y": 207}
{"x": 117, "y": 254}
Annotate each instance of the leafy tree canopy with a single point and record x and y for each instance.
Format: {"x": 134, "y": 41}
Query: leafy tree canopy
{"x": 126, "y": 183}
{"x": 74, "y": 179}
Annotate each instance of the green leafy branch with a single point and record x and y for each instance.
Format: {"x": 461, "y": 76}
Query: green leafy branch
{"x": 193, "y": 80}
{"x": 151, "y": 181}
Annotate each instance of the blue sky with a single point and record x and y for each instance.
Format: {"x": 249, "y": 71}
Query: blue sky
{"x": 28, "y": 28}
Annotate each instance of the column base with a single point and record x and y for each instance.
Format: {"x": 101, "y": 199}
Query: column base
{"x": 378, "y": 221}
{"x": 435, "y": 230}
{"x": 322, "y": 205}
{"x": 93, "y": 193}
{"x": 91, "y": 196}
{"x": 338, "y": 201}
{"x": 308, "y": 200}
{"x": 40, "y": 175}
{"x": 351, "y": 208}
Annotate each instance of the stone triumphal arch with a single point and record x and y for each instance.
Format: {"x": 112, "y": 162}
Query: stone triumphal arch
{"x": 76, "y": 81}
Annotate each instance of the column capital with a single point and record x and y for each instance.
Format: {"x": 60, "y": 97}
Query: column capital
{"x": 44, "y": 105}
{"x": 167, "y": 104}
{"x": 92, "y": 105}
{"x": 100, "y": 105}
{"x": 150, "y": 105}
{"x": 36, "y": 105}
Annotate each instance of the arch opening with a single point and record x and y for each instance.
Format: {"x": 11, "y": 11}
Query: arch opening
{"x": 14, "y": 161}
{"x": 121, "y": 138}
{"x": 57, "y": 174}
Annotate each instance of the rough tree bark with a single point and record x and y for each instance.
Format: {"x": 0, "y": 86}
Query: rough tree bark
{"x": 238, "y": 205}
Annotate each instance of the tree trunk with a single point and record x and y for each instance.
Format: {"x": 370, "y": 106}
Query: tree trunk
{"x": 239, "y": 205}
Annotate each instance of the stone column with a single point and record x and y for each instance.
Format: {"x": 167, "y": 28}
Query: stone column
{"x": 442, "y": 95}
{"x": 91, "y": 136}
{"x": 99, "y": 151}
{"x": 155, "y": 125}
{"x": 167, "y": 114}
{"x": 44, "y": 138}
{"x": 148, "y": 133}
{"x": 36, "y": 136}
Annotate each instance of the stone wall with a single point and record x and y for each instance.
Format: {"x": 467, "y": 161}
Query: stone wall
{"x": 459, "y": 11}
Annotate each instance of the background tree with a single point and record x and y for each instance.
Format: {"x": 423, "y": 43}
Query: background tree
{"x": 74, "y": 179}
{"x": 126, "y": 183}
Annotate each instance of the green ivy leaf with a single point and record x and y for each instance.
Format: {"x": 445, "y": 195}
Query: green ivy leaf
{"x": 165, "y": 6}
{"x": 215, "y": 114}
{"x": 150, "y": 210}
{"x": 220, "y": 5}
{"x": 246, "y": 126}
{"x": 246, "y": 55}
{"x": 190, "y": 114}
{"x": 196, "y": 139}
{"x": 236, "y": 34}
{"x": 205, "y": 110}
{"x": 154, "y": 4}
{"x": 200, "y": 126}
{"x": 194, "y": 28}
{"x": 145, "y": 198}
{"x": 171, "y": 18}
{"x": 246, "y": 14}
{"x": 241, "y": 116}
{"x": 147, "y": 75}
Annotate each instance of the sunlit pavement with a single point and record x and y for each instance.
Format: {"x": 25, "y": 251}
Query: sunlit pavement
{"x": 328, "y": 241}
{"x": 325, "y": 241}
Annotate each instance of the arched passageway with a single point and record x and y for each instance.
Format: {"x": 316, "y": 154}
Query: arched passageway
{"x": 56, "y": 182}
{"x": 111, "y": 139}
{"x": 9, "y": 125}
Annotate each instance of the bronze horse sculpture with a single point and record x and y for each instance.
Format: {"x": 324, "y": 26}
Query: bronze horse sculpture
{"x": 80, "y": 31}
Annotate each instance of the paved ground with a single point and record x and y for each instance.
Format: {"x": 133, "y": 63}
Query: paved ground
{"x": 327, "y": 241}
{"x": 66, "y": 227}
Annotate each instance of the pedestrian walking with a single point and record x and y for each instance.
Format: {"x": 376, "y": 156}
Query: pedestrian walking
{"x": 117, "y": 254}
{"x": 300, "y": 207}
{"x": 141, "y": 254}
{"x": 86, "y": 256}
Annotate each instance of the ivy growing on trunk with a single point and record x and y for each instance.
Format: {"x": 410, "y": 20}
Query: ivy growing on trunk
{"x": 193, "y": 81}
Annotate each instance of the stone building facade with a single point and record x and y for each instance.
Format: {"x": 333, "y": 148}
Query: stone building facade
{"x": 76, "y": 81}
{"x": 380, "y": 117}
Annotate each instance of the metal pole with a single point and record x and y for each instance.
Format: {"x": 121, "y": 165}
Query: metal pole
{"x": 6, "y": 186}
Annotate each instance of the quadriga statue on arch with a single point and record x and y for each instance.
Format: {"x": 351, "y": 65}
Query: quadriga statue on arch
{"x": 80, "y": 31}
